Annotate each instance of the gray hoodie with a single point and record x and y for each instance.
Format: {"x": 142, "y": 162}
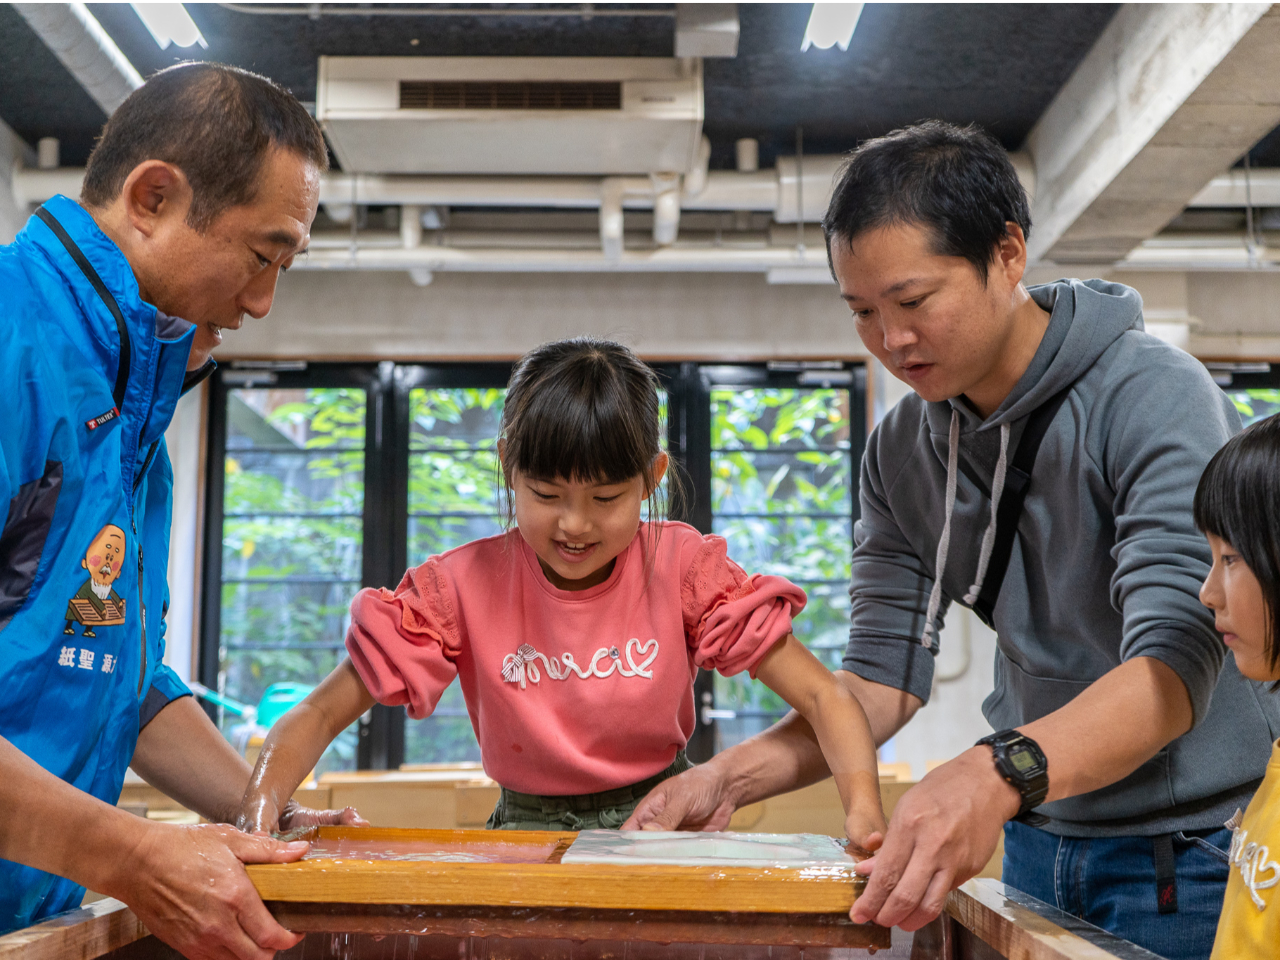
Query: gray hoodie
{"x": 1107, "y": 564}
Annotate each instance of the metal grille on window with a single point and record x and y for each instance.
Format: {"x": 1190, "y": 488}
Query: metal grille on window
{"x": 291, "y": 551}
{"x": 454, "y": 486}
{"x": 782, "y": 496}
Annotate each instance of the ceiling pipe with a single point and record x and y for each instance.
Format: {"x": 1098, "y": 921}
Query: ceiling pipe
{"x": 768, "y": 191}
{"x": 666, "y": 208}
{"x": 430, "y": 258}
{"x": 722, "y": 190}
{"x": 695, "y": 181}
{"x": 1212, "y": 251}
{"x": 613, "y": 191}
{"x": 315, "y": 11}
{"x": 411, "y": 226}
{"x": 78, "y": 40}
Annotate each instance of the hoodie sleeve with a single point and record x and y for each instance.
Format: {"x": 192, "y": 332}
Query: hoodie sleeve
{"x": 888, "y": 591}
{"x": 1161, "y": 431}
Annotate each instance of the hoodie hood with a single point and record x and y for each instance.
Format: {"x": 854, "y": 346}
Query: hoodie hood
{"x": 1085, "y": 318}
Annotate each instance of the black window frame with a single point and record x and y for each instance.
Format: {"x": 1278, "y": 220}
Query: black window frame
{"x": 386, "y": 480}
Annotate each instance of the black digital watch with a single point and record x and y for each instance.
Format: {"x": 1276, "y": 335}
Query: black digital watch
{"x": 1021, "y": 762}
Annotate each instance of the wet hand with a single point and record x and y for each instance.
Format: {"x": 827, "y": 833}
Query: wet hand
{"x": 943, "y": 832}
{"x": 297, "y": 817}
{"x": 694, "y": 800}
{"x": 260, "y": 816}
{"x": 865, "y": 830}
{"x": 189, "y": 886}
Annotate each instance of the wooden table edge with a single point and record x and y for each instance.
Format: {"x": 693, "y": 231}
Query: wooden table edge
{"x": 1013, "y": 929}
{"x": 89, "y": 931}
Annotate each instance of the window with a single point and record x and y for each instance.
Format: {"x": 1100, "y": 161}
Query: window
{"x": 292, "y": 480}
{"x": 327, "y": 477}
{"x": 454, "y": 486}
{"x": 783, "y": 497}
{"x": 1253, "y": 387}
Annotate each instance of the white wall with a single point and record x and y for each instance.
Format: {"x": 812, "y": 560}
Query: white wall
{"x": 952, "y": 720}
{"x": 12, "y": 149}
{"x": 185, "y": 440}
{"x": 473, "y": 316}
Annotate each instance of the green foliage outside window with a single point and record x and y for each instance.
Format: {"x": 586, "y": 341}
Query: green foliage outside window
{"x": 292, "y": 537}
{"x": 454, "y": 498}
{"x": 1255, "y": 405}
{"x": 782, "y": 497}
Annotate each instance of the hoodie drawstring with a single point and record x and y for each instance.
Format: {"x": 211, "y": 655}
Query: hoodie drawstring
{"x": 989, "y": 538}
{"x": 944, "y": 542}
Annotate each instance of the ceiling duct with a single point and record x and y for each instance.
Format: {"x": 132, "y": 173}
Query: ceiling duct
{"x": 611, "y": 116}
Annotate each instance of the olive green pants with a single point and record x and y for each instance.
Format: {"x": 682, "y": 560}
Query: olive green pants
{"x": 608, "y": 810}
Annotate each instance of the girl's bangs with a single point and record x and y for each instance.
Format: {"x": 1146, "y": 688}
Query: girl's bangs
{"x": 591, "y": 439}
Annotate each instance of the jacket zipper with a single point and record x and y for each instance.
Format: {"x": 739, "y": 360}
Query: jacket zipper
{"x": 142, "y": 606}
{"x": 121, "y": 387}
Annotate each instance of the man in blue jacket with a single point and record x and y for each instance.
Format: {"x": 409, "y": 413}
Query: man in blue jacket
{"x": 200, "y": 192}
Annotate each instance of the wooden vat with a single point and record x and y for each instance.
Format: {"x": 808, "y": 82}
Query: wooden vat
{"x": 527, "y": 892}
{"x": 983, "y": 920}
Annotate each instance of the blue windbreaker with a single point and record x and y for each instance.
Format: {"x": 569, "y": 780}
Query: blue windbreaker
{"x": 91, "y": 377}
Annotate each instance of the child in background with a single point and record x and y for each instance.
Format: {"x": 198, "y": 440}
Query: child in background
{"x": 1237, "y": 506}
{"x": 577, "y": 635}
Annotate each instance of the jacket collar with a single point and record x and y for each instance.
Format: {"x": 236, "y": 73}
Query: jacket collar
{"x": 111, "y": 266}
{"x": 158, "y": 344}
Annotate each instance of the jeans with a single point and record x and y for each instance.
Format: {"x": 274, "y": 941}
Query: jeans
{"x": 1111, "y": 883}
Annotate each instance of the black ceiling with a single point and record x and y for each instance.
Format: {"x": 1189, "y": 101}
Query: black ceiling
{"x": 995, "y": 64}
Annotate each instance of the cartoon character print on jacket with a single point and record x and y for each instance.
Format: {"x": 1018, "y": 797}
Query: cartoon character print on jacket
{"x": 95, "y": 604}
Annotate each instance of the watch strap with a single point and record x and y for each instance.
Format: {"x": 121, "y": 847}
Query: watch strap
{"x": 1034, "y": 790}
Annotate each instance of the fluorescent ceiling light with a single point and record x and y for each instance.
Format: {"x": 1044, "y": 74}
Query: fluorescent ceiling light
{"x": 169, "y": 23}
{"x": 831, "y": 25}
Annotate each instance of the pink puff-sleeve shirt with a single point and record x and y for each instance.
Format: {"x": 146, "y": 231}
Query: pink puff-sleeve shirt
{"x": 570, "y": 692}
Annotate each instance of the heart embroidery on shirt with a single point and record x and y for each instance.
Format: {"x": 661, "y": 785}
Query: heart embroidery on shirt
{"x": 1254, "y": 863}
{"x": 522, "y": 666}
{"x": 643, "y": 648}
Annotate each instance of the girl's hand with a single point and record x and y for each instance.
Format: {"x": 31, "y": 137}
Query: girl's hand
{"x": 843, "y": 733}
{"x": 258, "y": 816}
{"x": 294, "y": 746}
{"x": 298, "y": 817}
{"x": 865, "y": 830}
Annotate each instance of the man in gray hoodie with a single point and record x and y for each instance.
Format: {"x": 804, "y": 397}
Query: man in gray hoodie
{"x": 1115, "y": 708}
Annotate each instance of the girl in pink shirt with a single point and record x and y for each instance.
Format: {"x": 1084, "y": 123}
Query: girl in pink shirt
{"x": 576, "y": 636}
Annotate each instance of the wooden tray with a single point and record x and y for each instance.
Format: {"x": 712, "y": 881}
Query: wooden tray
{"x": 526, "y": 891}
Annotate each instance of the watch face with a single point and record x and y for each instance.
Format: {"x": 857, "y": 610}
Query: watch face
{"x": 1023, "y": 760}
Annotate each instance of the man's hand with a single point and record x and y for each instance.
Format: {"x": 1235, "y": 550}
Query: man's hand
{"x": 942, "y": 832}
{"x": 189, "y": 886}
{"x": 697, "y": 799}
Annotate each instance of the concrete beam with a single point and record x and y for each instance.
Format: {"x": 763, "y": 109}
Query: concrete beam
{"x": 1169, "y": 97}
{"x": 92, "y": 57}
{"x": 1260, "y": 187}
{"x": 706, "y": 30}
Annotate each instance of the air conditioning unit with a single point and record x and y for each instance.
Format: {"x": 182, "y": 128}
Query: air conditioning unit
{"x": 511, "y": 115}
